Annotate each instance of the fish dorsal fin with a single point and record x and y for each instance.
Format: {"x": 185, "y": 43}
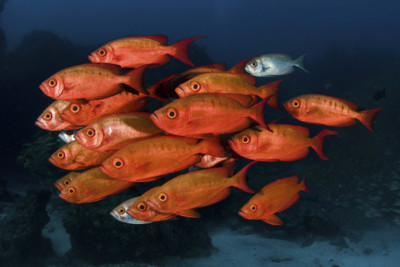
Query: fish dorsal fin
{"x": 189, "y": 213}
{"x": 273, "y": 220}
{"x": 302, "y": 129}
{"x": 287, "y": 180}
{"x": 162, "y": 39}
{"x": 239, "y": 67}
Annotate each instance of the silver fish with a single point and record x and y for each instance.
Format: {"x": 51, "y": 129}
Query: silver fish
{"x": 66, "y": 137}
{"x": 273, "y": 65}
{"x": 119, "y": 213}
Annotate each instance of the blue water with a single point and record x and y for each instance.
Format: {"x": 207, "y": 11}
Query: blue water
{"x": 352, "y": 49}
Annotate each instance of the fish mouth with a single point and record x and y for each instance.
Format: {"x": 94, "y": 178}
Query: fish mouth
{"x": 41, "y": 125}
{"x": 44, "y": 89}
{"x": 52, "y": 161}
{"x": 114, "y": 214}
{"x": 232, "y": 143}
{"x": 241, "y": 213}
{"x": 180, "y": 92}
{"x": 92, "y": 58}
{"x": 58, "y": 186}
{"x": 154, "y": 118}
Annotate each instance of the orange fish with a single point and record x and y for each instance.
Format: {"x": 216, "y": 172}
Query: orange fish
{"x": 149, "y": 158}
{"x": 133, "y": 52}
{"x": 272, "y": 198}
{"x": 197, "y": 115}
{"x": 74, "y": 156}
{"x": 86, "y": 113}
{"x": 51, "y": 119}
{"x": 91, "y": 81}
{"x": 112, "y": 133}
{"x": 184, "y": 193}
{"x": 329, "y": 111}
{"x": 228, "y": 83}
{"x": 66, "y": 180}
{"x": 139, "y": 210}
{"x": 283, "y": 143}
{"x": 92, "y": 185}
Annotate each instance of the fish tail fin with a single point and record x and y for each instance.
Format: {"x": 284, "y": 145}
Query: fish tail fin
{"x": 300, "y": 63}
{"x": 303, "y": 186}
{"x": 258, "y": 115}
{"x": 367, "y": 116}
{"x": 239, "y": 67}
{"x": 271, "y": 89}
{"x": 134, "y": 78}
{"x": 317, "y": 142}
{"x": 213, "y": 147}
{"x": 240, "y": 178}
{"x": 181, "y": 50}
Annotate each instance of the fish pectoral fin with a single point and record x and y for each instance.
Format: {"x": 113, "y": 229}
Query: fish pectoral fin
{"x": 189, "y": 213}
{"x": 273, "y": 220}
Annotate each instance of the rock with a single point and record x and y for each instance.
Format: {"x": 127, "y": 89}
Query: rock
{"x": 21, "y": 240}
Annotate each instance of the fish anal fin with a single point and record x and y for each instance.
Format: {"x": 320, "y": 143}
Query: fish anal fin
{"x": 189, "y": 213}
{"x": 273, "y": 220}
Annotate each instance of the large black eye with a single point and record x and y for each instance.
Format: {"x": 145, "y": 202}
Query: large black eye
{"x": 75, "y": 108}
{"x": 245, "y": 139}
{"x": 195, "y": 86}
{"x": 171, "y": 113}
{"x": 67, "y": 181}
{"x": 121, "y": 211}
{"x": 52, "y": 82}
{"x": 47, "y": 116}
{"x": 61, "y": 155}
{"x": 141, "y": 206}
{"x": 296, "y": 103}
{"x": 117, "y": 163}
{"x": 71, "y": 191}
{"x": 102, "y": 52}
{"x": 162, "y": 197}
{"x": 253, "y": 207}
{"x": 254, "y": 64}
{"x": 90, "y": 132}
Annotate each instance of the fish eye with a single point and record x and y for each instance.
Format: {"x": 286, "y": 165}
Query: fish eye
{"x": 102, "y": 52}
{"x": 141, "y": 206}
{"x": 171, "y": 113}
{"x": 67, "y": 181}
{"x": 254, "y": 64}
{"x": 90, "y": 132}
{"x": 253, "y": 207}
{"x": 245, "y": 139}
{"x": 162, "y": 197}
{"x": 296, "y": 103}
{"x": 52, "y": 82}
{"x": 121, "y": 211}
{"x": 61, "y": 155}
{"x": 71, "y": 191}
{"x": 117, "y": 163}
{"x": 75, "y": 108}
{"x": 195, "y": 86}
{"x": 47, "y": 116}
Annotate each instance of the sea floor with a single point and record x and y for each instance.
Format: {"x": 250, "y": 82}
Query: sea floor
{"x": 243, "y": 247}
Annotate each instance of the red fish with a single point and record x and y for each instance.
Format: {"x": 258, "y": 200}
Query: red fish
{"x": 91, "y": 81}
{"x": 149, "y": 158}
{"x": 328, "y": 110}
{"x": 139, "y": 210}
{"x": 92, "y": 185}
{"x": 74, "y": 156}
{"x": 184, "y": 193}
{"x": 112, "y": 133}
{"x": 66, "y": 180}
{"x": 282, "y": 143}
{"x": 86, "y": 113}
{"x": 197, "y": 115}
{"x": 133, "y": 52}
{"x": 51, "y": 119}
{"x": 272, "y": 198}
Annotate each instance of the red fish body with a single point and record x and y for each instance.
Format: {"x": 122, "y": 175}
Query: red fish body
{"x": 51, "y": 119}
{"x": 272, "y": 198}
{"x": 206, "y": 114}
{"x": 133, "y": 52}
{"x": 197, "y": 189}
{"x": 91, "y": 81}
{"x": 85, "y": 113}
{"x": 92, "y": 185}
{"x": 112, "y": 133}
{"x": 328, "y": 110}
{"x": 74, "y": 156}
{"x": 149, "y": 158}
{"x": 282, "y": 143}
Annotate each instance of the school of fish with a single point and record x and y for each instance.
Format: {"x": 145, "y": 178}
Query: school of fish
{"x": 211, "y": 117}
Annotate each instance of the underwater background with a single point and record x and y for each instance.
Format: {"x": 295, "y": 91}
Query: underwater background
{"x": 349, "y": 217}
